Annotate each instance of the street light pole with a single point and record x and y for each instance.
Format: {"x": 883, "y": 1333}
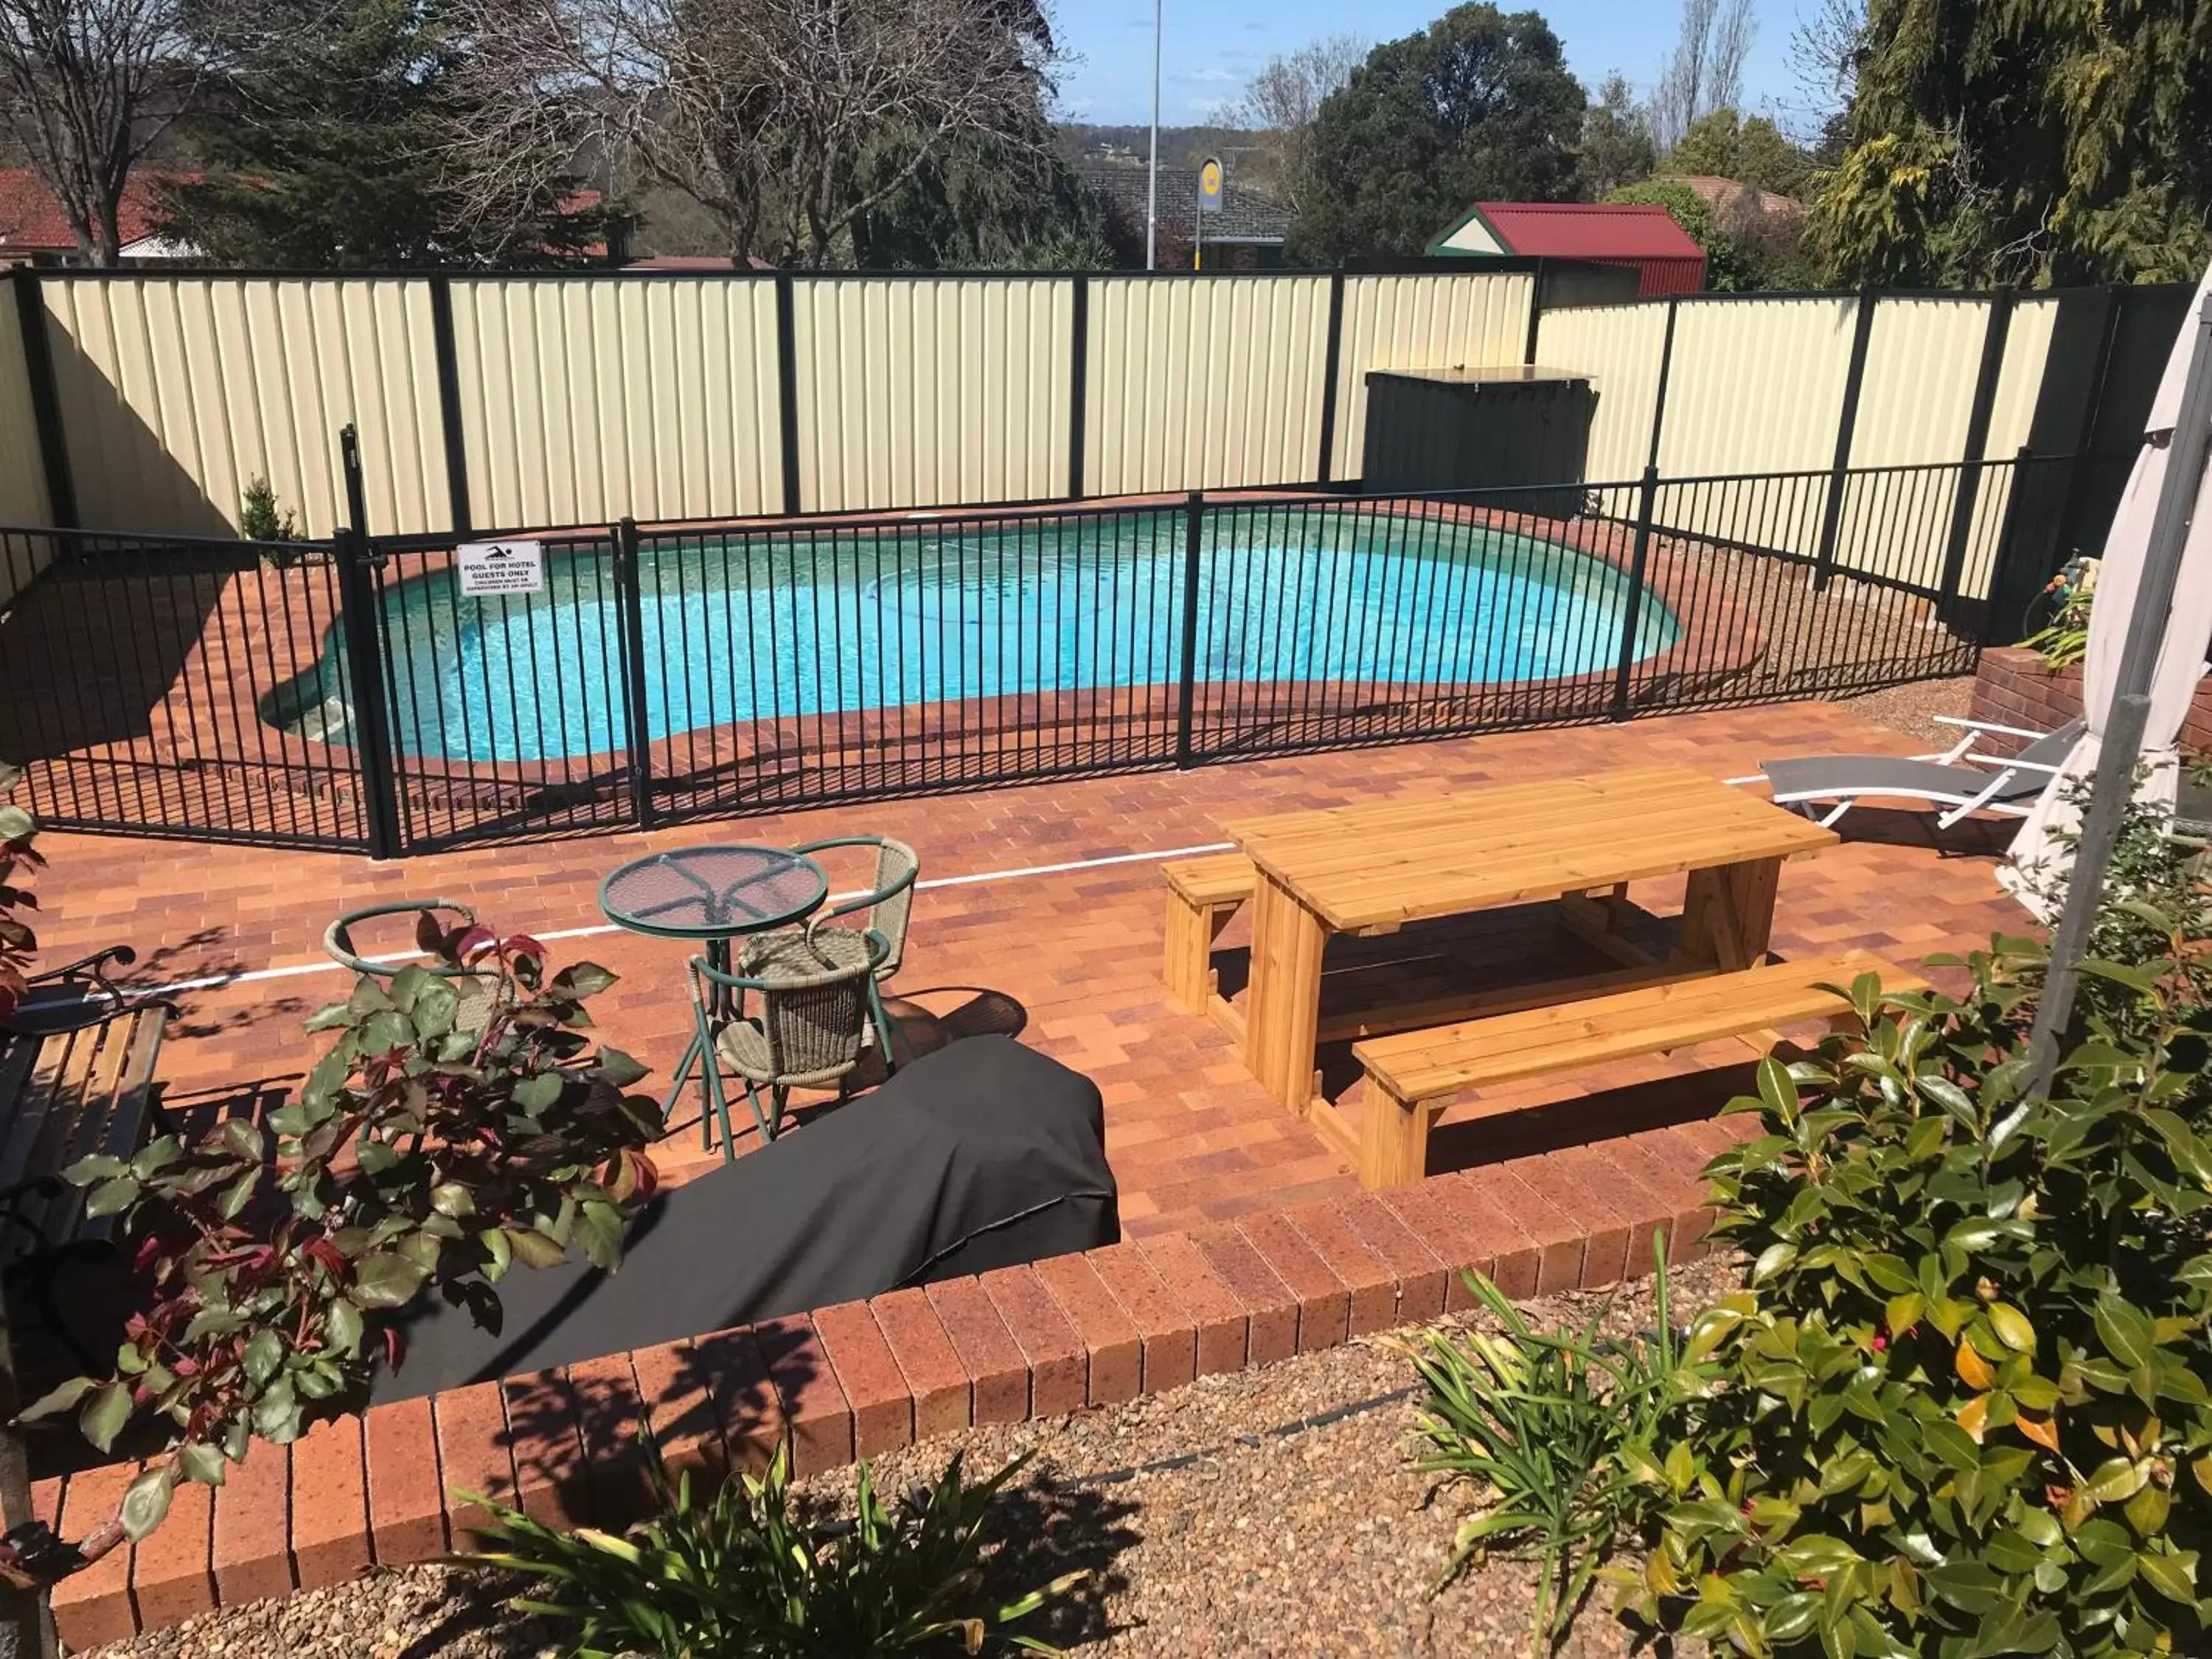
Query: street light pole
{"x": 1152, "y": 171}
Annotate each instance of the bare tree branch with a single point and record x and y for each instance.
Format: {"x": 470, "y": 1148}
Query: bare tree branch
{"x": 1284, "y": 97}
{"x": 1706, "y": 71}
{"x": 760, "y": 110}
{"x": 86, "y": 88}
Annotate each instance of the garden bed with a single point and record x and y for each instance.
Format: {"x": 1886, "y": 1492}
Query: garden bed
{"x": 1217, "y": 1519}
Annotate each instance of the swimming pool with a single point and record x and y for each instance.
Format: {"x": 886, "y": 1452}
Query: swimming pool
{"x": 748, "y": 626}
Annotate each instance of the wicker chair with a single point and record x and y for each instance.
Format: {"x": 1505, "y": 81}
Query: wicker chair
{"x": 816, "y": 1017}
{"x": 885, "y": 909}
{"x": 472, "y": 991}
{"x": 882, "y": 913}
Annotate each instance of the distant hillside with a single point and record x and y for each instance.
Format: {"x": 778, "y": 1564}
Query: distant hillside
{"x": 1180, "y": 147}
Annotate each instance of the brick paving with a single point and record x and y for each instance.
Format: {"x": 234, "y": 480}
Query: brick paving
{"x": 1252, "y": 1241}
{"x": 1191, "y": 1136}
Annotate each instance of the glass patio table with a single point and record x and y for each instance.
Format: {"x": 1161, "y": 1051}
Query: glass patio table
{"x": 712, "y": 895}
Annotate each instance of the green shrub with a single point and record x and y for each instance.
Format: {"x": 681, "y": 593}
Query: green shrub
{"x": 260, "y": 517}
{"x": 1963, "y": 1405}
{"x": 1561, "y": 1427}
{"x": 746, "y": 1575}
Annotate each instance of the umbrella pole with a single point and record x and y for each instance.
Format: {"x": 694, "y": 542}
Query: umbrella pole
{"x": 2114, "y": 783}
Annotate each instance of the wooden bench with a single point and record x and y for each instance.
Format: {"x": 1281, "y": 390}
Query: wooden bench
{"x": 1410, "y": 1075}
{"x": 1203, "y": 893}
{"x": 76, "y": 1077}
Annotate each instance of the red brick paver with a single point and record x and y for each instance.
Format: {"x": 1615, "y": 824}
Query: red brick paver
{"x": 998, "y": 1375}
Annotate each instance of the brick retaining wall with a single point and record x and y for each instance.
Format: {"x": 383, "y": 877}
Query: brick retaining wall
{"x": 863, "y": 1378}
{"x": 2014, "y": 687}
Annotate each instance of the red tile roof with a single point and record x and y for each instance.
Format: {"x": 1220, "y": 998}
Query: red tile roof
{"x": 1586, "y": 230}
{"x": 32, "y": 219}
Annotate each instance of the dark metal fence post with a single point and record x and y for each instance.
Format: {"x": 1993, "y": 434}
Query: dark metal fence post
{"x": 364, "y": 648}
{"x": 1832, "y": 511}
{"x": 2005, "y": 585}
{"x": 1079, "y": 383}
{"x": 46, "y": 398}
{"x": 1665, "y": 373}
{"x": 1331, "y": 349}
{"x": 449, "y": 401}
{"x": 1968, "y": 495}
{"x": 1632, "y": 622}
{"x": 1536, "y": 283}
{"x": 1186, "y": 679}
{"x": 362, "y": 607}
{"x": 630, "y": 591}
{"x": 787, "y": 385}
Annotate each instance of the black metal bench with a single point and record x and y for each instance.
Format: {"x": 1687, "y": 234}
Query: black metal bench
{"x": 77, "y": 1077}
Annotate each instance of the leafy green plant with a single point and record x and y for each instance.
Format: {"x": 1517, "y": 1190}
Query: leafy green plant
{"x": 744, "y": 1574}
{"x": 1561, "y": 1427}
{"x": 261, "y": 518}
{"x": 460, "y": 1123}
{"x": 1962, "y": 1407}
{"x": 2064, "y": 640}
{"x": 2155, "y": 904}
{"x": 19, "y": 856}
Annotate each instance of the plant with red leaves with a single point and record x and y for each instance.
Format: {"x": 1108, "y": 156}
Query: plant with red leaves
{"x": 461, "y": 1123}
{"x": 17, "y": 857}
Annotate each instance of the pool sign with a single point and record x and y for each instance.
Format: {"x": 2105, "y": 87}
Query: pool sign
{"x": 1209, "y": 186}
{"x": 500, "y": 568}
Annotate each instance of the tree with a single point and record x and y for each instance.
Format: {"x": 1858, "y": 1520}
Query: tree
{"x": 1005, "y": 198}
{"x": 1825, "y": 50}
{"x": 1617, "y": 147}
{"x": 791, "y": 121}
{"x": 2038, "y": 141}
{"x": 86, "y": 88}
{"x": 330, "y": 147}
{"x": 1284, "y": 100}
{"x": 1752, "y": 152}
{"x": 1730, "y": 268}
{"x": 1478, "y": 105}
{"x": 1706, "y": 71}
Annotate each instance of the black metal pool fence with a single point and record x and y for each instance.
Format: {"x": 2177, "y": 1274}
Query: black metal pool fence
{"x": 346, "y": 694}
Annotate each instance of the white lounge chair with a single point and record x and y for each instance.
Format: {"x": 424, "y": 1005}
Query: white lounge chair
{"x": 1960, "y": 779}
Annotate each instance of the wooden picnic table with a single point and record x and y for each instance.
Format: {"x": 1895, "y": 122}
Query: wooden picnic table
{"x": 1579, "y": 842}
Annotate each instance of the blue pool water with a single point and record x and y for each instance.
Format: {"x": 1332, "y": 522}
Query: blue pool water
{"x": 737, "y": 627}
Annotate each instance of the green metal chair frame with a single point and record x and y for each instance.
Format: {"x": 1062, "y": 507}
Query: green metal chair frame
{"x": 814, "y": 1028}
{"x": 472, "y": 988}
{"x": 889, "y": 906}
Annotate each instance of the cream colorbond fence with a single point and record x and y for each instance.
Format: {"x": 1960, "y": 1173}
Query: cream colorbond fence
{"x": 1214, "y": 384}
{"x": 1621, "y": 347}
{"x": 175, "y": 392}
{"x": 1747, "y": 385}
{"x": 582, "y": 400}
{"x": 930, "y": 393}
{"x": 546, "y": 398}
{"x": 1421, "y": 322}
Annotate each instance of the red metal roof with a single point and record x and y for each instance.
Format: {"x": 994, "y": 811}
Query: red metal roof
{"x": 32, "y": 221}
{"x": 1644, "y": 240}
{"x": 1589, "y": 230}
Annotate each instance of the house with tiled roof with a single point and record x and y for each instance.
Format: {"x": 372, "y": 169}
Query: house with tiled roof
{"x": 35, "y": 231}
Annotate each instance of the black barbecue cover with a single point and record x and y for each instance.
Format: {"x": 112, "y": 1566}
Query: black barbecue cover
{"x": 981, "y": 1155}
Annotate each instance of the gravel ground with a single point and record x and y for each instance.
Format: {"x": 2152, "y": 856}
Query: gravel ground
{"x": 1912, "y": 708}
{"x": 1208, "y": 1529}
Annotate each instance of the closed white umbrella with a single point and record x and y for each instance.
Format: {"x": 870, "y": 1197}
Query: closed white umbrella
{"x": 2188, "y": 627}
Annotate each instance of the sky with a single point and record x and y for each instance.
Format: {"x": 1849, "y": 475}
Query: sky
{"x": 1212, "y": 48}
